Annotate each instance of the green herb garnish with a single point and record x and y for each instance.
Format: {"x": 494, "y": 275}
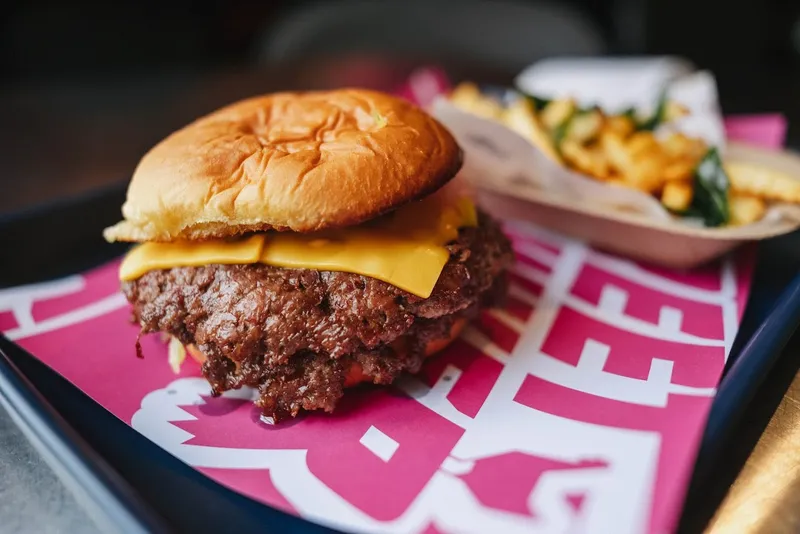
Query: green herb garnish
{"x": 539, "y": 103}
{"x": 711, "y": 186}
{"x": 559, "y": 133}
{"x": 655, "y": 120}
{"x": 629, "y": 113}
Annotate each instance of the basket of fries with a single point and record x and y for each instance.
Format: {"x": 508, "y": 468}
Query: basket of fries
{"x": 659, "y": 184}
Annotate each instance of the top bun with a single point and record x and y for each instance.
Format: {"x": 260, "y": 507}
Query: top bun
{"x": 288, "y": 161}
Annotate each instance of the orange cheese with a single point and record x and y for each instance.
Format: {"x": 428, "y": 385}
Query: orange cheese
{"x": 405, "y": 248}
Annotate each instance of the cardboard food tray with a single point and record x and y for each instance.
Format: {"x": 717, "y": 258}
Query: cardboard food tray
{"x": 511, "y": 174}
{"x": 633, "y": 235}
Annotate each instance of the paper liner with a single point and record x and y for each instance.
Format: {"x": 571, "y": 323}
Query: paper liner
{"x": 498, "y": 158}
{"x": 576, "y": 408}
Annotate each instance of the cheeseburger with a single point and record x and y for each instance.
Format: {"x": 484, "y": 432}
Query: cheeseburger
{"x": 303, "y": 243}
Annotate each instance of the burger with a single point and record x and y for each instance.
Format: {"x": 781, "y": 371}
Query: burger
{"x": 303, "y": 243}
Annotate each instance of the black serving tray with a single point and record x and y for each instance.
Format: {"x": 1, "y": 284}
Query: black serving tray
{"x": 129, "y": 482}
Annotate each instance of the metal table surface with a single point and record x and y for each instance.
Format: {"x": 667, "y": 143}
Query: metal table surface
{"x": 32, "y": 498}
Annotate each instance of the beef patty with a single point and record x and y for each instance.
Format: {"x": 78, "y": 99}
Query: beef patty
{"x": 296, "y": 334}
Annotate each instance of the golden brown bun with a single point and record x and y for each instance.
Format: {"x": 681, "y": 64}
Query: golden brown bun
{"x": 287, "y": 161}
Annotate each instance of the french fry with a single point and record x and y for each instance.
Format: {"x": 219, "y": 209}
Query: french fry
{"x": 619, "y": 124}
{"x": 745, "y": 209}
{"x": 674, "y": 111}
{"x": 642, "y": 143}
{"x": 466, "y": 93}
{"x": 613, "y": 145}
{"x": 678, "y": 145}
{"x": 679, "y": 170}
{"x": 556, "y": 112}
{"x": 638, "y": 168}
{"x": 591, "y": 161}
{"x": 677, "y": 196}
{"x": 616, "y": 179}
{"x": 584, "y": 127}
{"x": 520, "y": 117}
{"x": 468, "y": 97}
{"x": 646, "y": 175}
{"x": 750, "y": 179}
{"x": 176, "y": 354}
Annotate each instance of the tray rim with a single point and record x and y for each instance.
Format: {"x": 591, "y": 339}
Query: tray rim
{"x": 110, "y": 501}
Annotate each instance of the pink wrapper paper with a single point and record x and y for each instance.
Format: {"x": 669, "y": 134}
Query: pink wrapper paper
{"x": 577, "y": 408}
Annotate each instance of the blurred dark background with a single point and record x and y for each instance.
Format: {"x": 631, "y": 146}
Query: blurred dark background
{"x": 44, "y": 40}
{"x": 86, "y": 87}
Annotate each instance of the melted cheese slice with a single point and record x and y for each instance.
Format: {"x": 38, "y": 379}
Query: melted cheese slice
{"x": 405, "y": 249}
